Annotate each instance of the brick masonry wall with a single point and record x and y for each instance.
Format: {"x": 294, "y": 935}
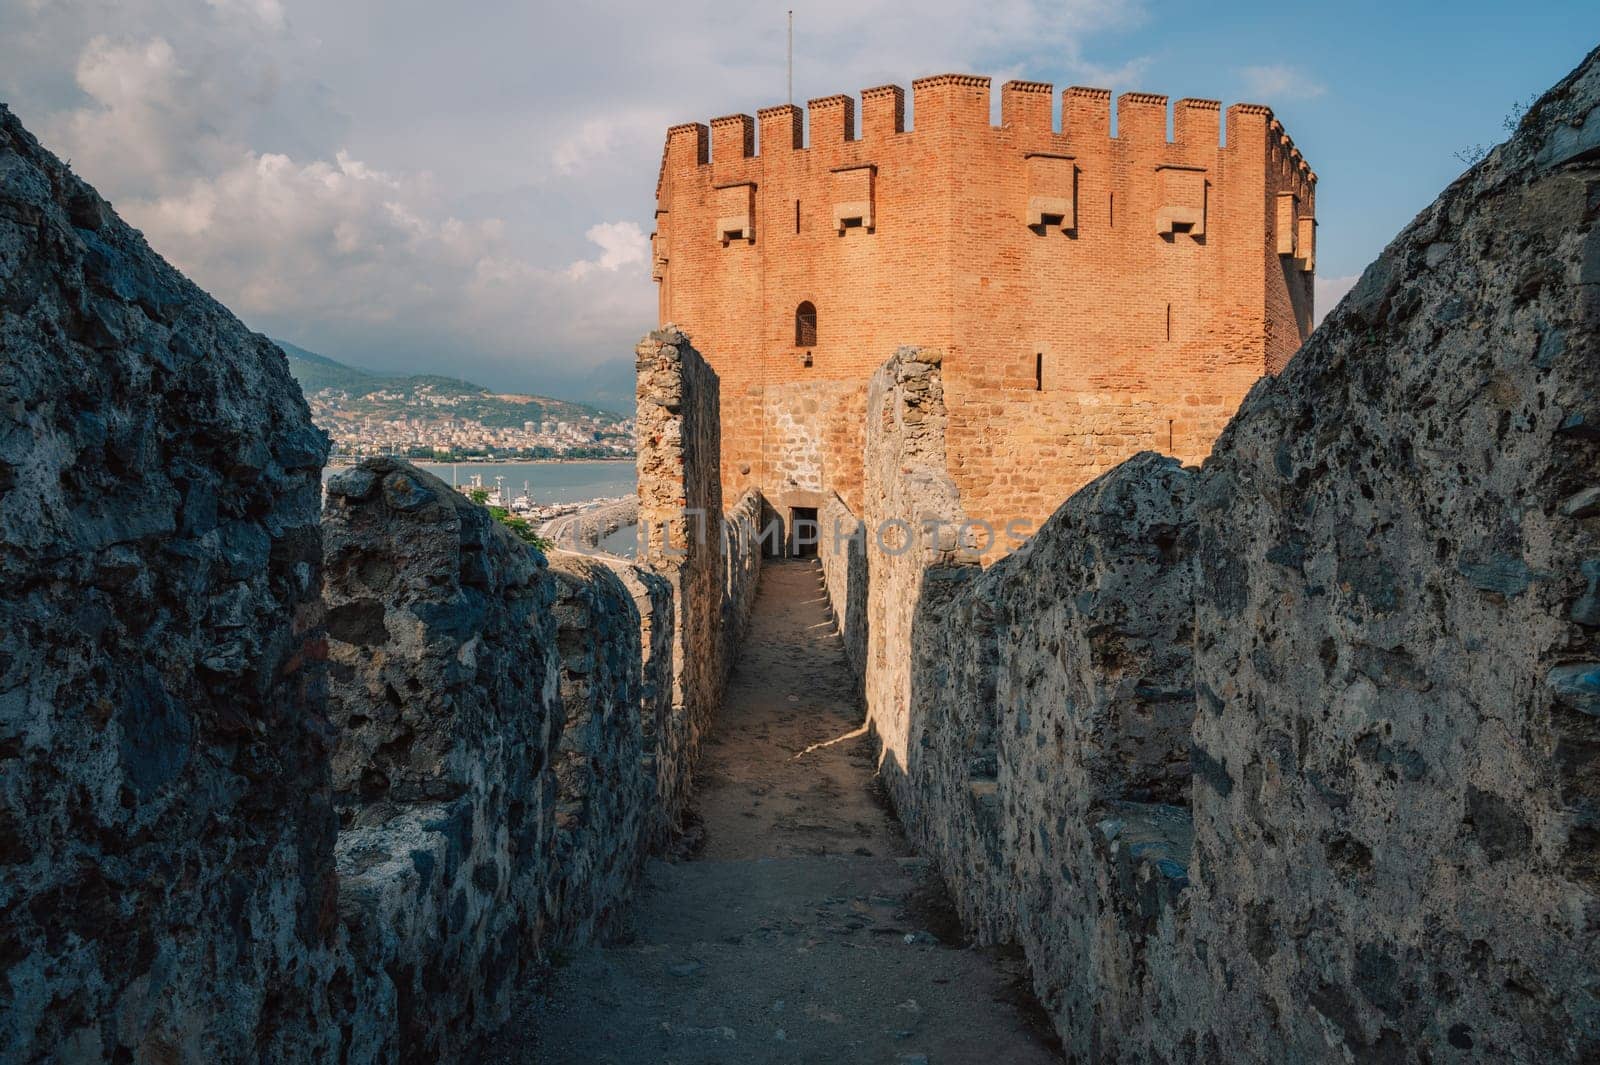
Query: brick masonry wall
{"x": 1016, "y": 454}
{"x": 1294, "y": 758}
{"x": 1139, "y": 338}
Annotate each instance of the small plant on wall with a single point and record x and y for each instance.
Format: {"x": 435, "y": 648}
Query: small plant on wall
{"x": 520, "y": 527}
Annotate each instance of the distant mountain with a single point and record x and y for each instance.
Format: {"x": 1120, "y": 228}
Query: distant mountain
{"x": 610, "y": 385}
{"x": 354, "y": 391}
{"x": 316, "y": 372}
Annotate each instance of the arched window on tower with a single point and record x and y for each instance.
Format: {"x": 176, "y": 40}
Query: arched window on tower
{"x": 805, "y": 325}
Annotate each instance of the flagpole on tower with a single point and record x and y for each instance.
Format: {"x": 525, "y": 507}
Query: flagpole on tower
{"x": 791, "y": 57}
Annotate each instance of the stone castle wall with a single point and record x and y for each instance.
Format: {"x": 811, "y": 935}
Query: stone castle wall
{"x": 500, "y": 727}
{"x": 842, "y": 551}
{"x": 1293, "y": 758}
{"x": 1092, "y": 295}
{"x": 709, "y": 556}
{"x": 518, "y": 734}
{"x": 443, "y": 676}
{"x": 910, "y": 523}
{"x": 1397, "y": 639}
{"x": 167, "y": 884}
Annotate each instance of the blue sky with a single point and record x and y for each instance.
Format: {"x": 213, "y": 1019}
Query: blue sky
{"x": 468, "y": 188}
{"x": 1382, "y": 95}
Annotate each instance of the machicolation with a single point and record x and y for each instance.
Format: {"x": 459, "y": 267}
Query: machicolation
{"x": 1092, "y": 295}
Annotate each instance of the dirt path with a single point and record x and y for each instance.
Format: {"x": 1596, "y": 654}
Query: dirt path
{"x": 803, "y": 929}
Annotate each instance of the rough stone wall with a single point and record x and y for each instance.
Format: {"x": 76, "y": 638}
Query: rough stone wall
{"x": 444, "y": 670}
{"x": 239, "y": 820}
{"x": 680, "y": 506}
{"x": 741, "y": 569}
{"x": 1164, "y": 331}
{"x": 605, "y": 787}
{"x": 503, "y": 720}
{"x": 166, "y": 834}
{"x": 1294, "y": 759}
{"x": 711, "y": 558}
{"x": 912, "y": 518}
{"x": 1398, "y": 645}
{"x": 665, "y": 760}
{"x": 1058, "y": 694}
{"x": 842, "y": 550}
{"x": 812, "y": 443}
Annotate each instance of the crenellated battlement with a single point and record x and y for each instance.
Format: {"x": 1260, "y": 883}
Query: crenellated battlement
{"x": 883, "y": 111}
{"x": 733, "y": 136}
{"x": 688, "y": 146}
{"x": 1027, "y": 105}
{"x": 783, "y": 128}
{"x": 961, "y": 101}
{"x": 832, "y": 118}
{"x": 1196, "y": 122}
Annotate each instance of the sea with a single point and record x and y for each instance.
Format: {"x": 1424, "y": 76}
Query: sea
{"x": 548, "y": 482}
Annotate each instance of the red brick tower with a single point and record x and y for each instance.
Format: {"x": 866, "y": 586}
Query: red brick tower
{"x": 1094, "y": 295}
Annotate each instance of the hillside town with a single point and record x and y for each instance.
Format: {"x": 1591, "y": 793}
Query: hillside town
{"x": 371, "y": 425}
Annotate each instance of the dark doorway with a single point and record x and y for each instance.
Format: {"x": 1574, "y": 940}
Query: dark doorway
{"x": 803, "y": 532}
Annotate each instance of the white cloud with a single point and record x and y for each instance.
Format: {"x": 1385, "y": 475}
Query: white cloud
{"x": 599, "y": 139}
{"x": 343, "y": 242}
{"x": 591, "y": 140}
{"x": 485, "y": 205}
{"x": 268, "y": 12}
{"x": 620, "y": 243}
{"x": 1328, "y": 291}
{"x": 140, "y": 123}
{"x": 1267, "y": 84}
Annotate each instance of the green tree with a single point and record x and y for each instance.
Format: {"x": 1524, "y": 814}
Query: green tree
{"x": 520, "y": 527}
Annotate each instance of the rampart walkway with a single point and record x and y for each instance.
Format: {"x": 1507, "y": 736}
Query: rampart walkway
{"x": 802, "y": 930}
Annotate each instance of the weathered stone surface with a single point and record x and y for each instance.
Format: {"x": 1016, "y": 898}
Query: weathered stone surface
{"x": 1045, "y": 744}
{"x": 446, "y": 700}
{"x": 1385, "y": 693}
{"x": 500, "y": 717}
{"x": 166, "y": 834}
{"x": 911, "y": 515}
{"x": 196, "y": 862}
{"x": 605, "y": 784}
{"x": 842, "y": 549}
{"x": 710, "y": 556}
